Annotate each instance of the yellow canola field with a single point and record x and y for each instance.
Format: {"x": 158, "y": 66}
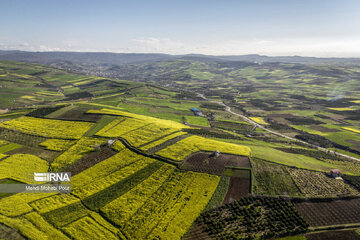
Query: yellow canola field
{"x": 3, "y": 142}
{"x": 105, "y": 182}
{"x": 17, "y": 204}
{"x": 351, "y": 129}
{"x": 57, "y": 144}
{"x": 259, "y": 120}
{"x": 21, "y": 167}
{"x": 162, "y": 122}
{"x": 33, "y": 226}
{"x": 137, "y": 129}
{"x": 120, "y": 126}
{"x": 104, "y": 168}
{"x": 48, "y": 127}
{"x": 187, "y": 146}
{"x": 147, "y": 134}
{"x": 122, "y": 208}
{"x": 342, "y": 109}
{"x": 53, "y": 202}
{"x": 88, "y": 228}
{"x": 161, "y": 140}
{"x": 170, "y": 211}
{"x": 75, "y": 152}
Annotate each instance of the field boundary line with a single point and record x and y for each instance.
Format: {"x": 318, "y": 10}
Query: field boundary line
{"x": 334, "y": 227}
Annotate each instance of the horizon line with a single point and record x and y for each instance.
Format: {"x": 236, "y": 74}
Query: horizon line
{"x": 170, "y": 54}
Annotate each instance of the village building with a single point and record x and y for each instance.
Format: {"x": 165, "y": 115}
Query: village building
{"x": 335, "y": 173}
{"x": 109, "y": 143}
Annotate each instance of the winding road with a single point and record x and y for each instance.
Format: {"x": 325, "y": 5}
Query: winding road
{"x": 228, "y": 109}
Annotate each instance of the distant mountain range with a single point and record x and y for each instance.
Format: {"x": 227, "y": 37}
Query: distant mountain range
{"x": 108, "y": 58}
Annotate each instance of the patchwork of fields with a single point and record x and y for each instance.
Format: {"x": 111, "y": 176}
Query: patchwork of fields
{"x": 125, "y": 195}
{"x": 144, "y": 166}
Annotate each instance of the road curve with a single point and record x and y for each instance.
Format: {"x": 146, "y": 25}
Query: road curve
{"x": 228, "y": 109}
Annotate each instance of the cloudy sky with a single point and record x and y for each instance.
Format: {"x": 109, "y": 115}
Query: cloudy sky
{"x": 324, "y": 28}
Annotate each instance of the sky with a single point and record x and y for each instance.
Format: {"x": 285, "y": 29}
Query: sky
{"x": 321, "y": 28}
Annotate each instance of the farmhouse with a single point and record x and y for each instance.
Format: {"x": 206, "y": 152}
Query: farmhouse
{"x": 110, "y": 142}
{"x": 335, "y": 173}
{"x": 216, "y": 153}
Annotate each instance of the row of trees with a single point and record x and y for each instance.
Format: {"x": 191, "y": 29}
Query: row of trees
{"x": 253, "y": 217}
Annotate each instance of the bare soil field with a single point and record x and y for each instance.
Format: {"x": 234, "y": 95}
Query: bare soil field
{"x": 330, "y": 213}
{"x": 238, "y": 188}
{"x": 79, "y": 114}
{"x": 206, "y": 162}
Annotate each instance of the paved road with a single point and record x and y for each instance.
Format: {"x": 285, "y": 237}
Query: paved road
{"x": 228, "y": 109}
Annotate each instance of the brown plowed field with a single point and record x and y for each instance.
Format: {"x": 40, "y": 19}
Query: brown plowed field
{"x": 238, "y": 188}
{"x": 330, "y": 213}
{"x": 205, "y": 162}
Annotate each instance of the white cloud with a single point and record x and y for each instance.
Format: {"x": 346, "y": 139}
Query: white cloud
{"x": 48, "y": 49}
{"x": 262, "y": 41}
{"x": 158, "y": 45}
{"x": 286, "y": 46}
